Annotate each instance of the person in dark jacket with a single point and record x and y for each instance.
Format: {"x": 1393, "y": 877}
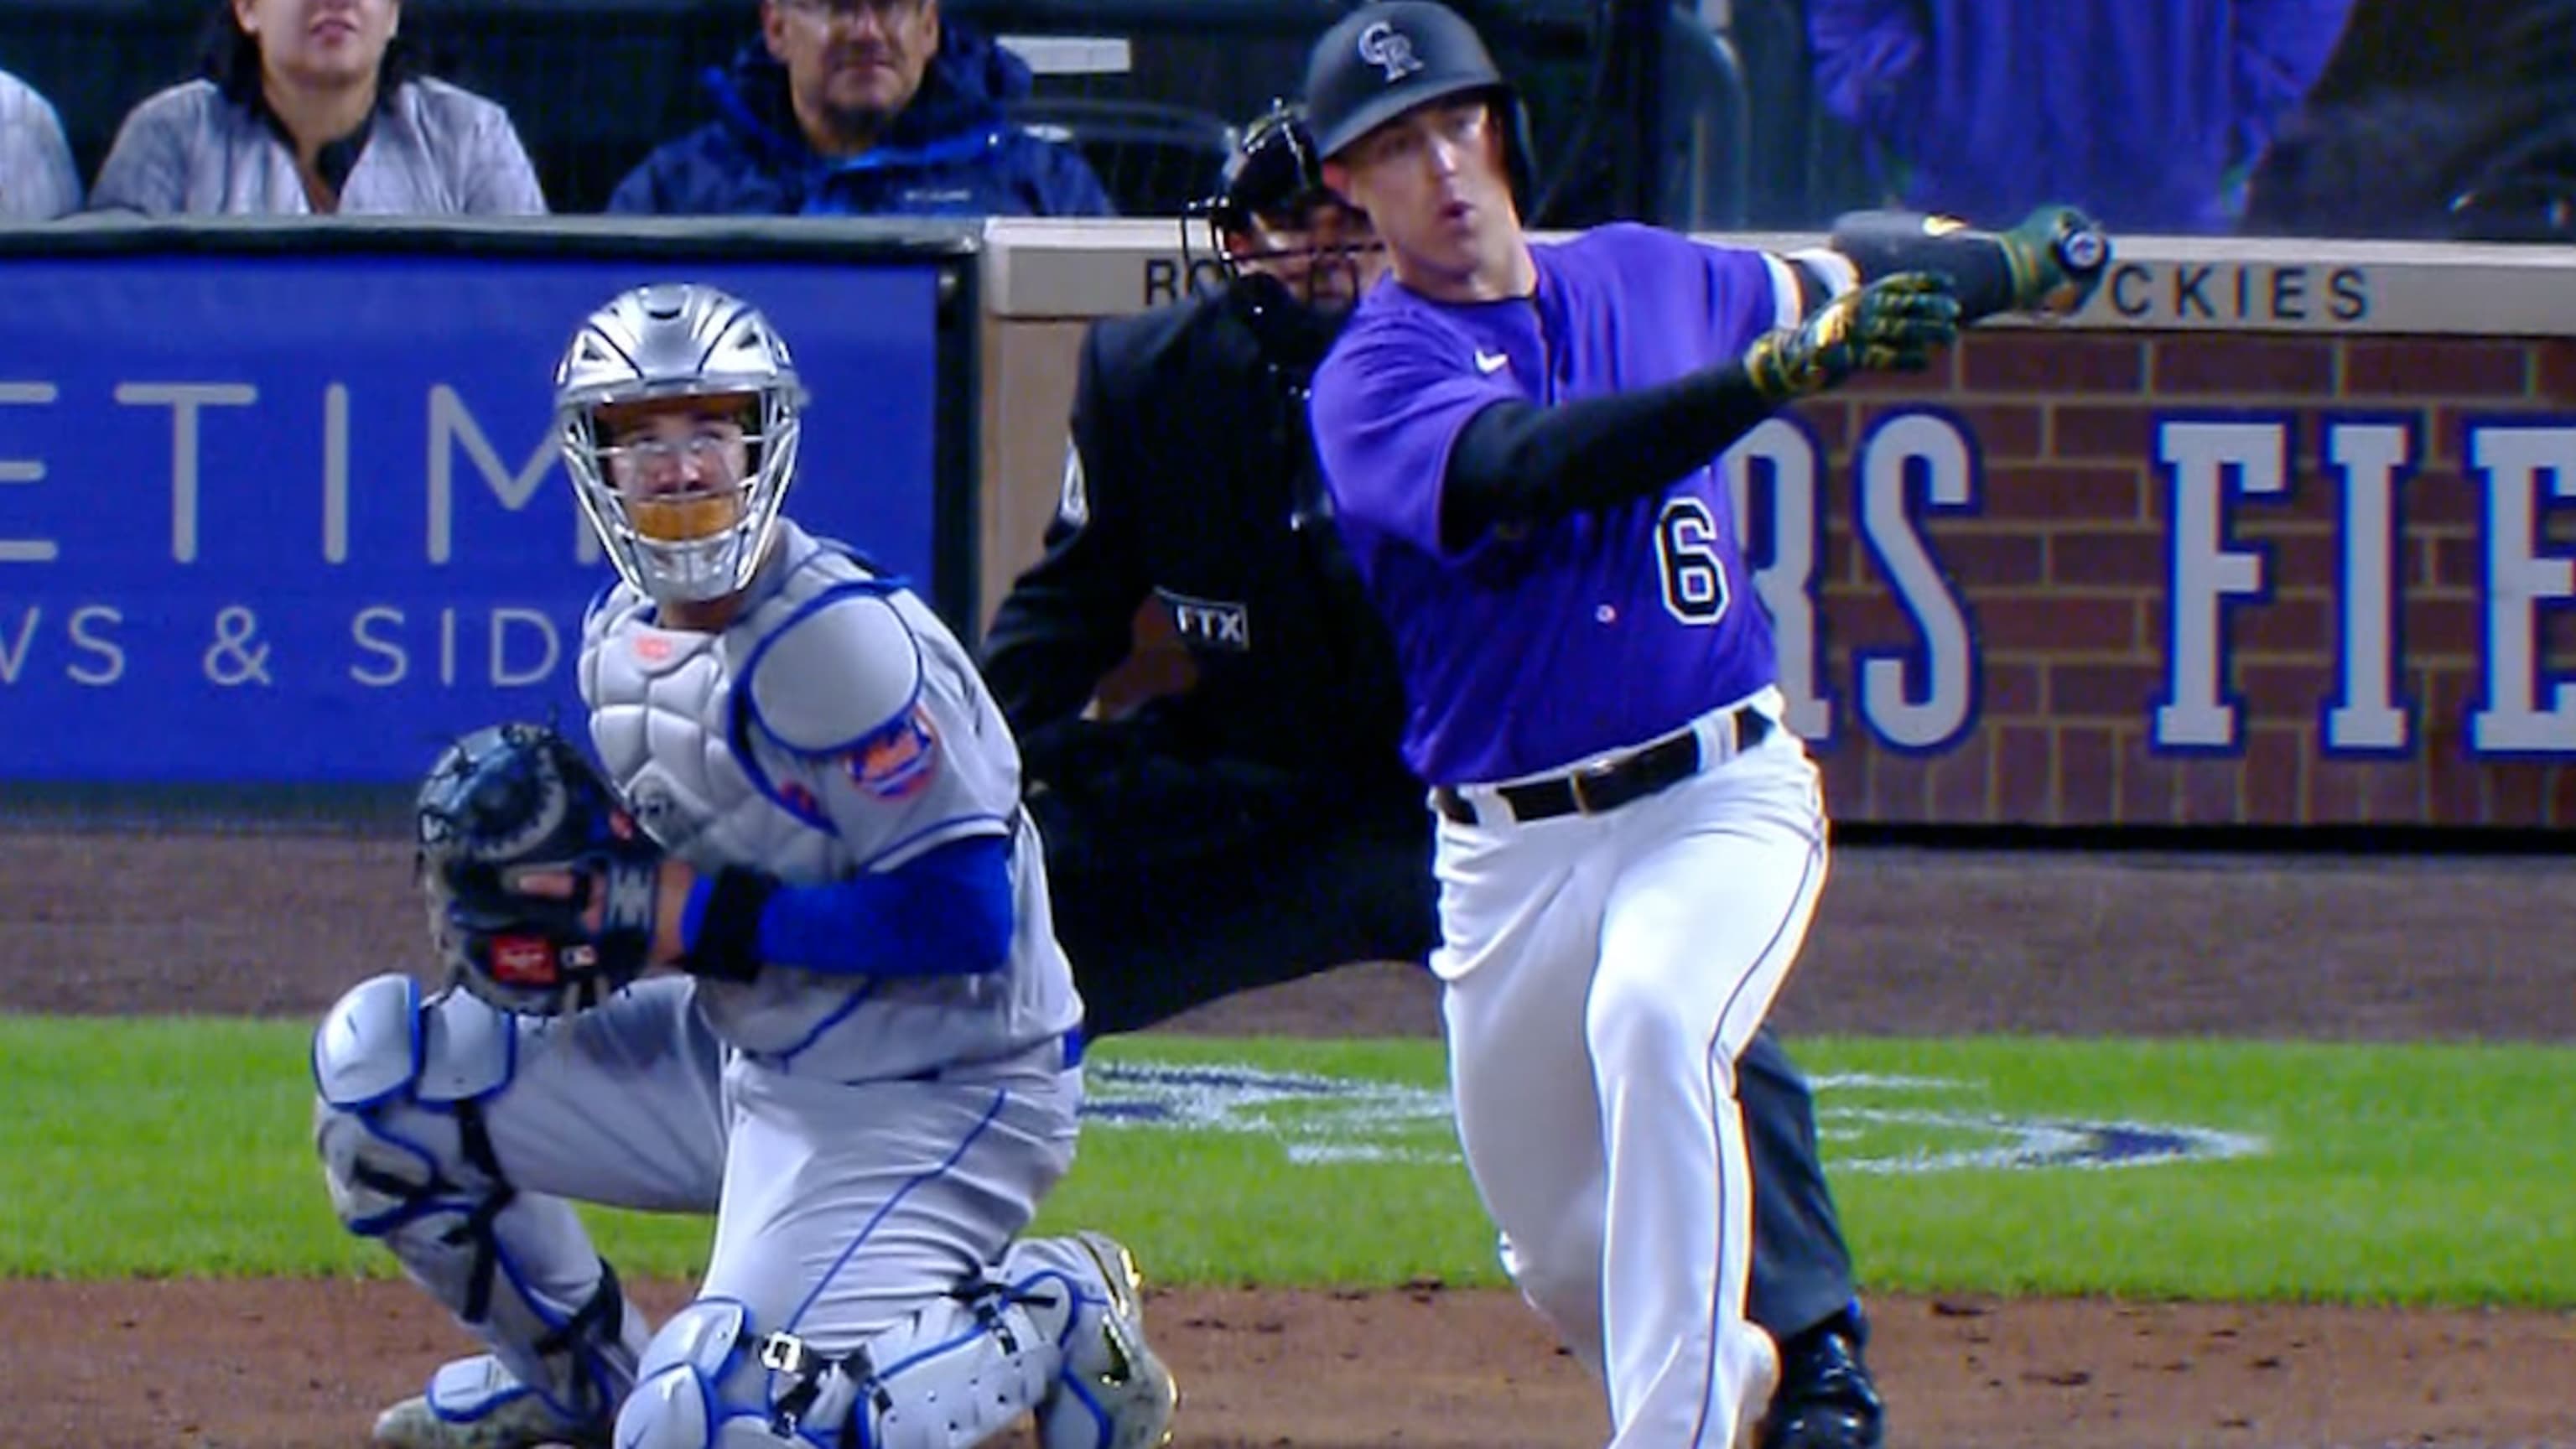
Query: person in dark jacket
{"x": 1259, "y": 826}
{"x": 2145, "y": 116}
{"x": 2465, "y": 131}
{"x": 864, "y": 107}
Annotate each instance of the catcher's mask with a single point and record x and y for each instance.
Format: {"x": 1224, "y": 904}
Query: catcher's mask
{"x": 676, "y": 406}
{"x": 1275, "y": 228}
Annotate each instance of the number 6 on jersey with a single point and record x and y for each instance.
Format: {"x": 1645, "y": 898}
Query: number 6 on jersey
{"x": 1695, "y": 588}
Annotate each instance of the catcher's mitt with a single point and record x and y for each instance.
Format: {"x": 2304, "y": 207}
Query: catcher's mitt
{"x": 508, "y": 800}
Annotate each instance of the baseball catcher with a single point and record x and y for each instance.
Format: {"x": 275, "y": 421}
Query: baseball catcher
{"x": 860, "y": 1051}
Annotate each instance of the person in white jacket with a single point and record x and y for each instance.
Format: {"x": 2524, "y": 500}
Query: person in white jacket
{"x": 311, "y": 107}
{"x": 37, "y": 179}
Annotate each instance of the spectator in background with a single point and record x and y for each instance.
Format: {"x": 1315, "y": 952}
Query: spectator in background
{"x": 37, "y": 179}
{"x": 2144, "y": 114}
{"x": 312, "y": 106}
{"x": 864, "y": 107}
{"x": 2464, "y": 133}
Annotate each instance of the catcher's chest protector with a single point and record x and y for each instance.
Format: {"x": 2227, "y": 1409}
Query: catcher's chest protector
{"x": 871, "y": 742}
{"x": 661, "y": 702}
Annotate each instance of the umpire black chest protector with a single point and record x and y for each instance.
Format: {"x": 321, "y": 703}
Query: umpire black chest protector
{"x": 1200, "y": 495}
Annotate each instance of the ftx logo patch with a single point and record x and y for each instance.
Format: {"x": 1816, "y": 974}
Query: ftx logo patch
{"x": 1210, "y": 623}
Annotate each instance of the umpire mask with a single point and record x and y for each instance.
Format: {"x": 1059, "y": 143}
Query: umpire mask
{"x": 676, "y": 406}
{"x": 1294, "y": 254}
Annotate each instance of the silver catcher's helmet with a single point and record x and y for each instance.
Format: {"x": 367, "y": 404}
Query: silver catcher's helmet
{"x": 680, "y": 340}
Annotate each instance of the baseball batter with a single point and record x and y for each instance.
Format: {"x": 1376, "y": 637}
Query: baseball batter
{"x": 867, "y": 1064}
{"x": 1520, "y": 441}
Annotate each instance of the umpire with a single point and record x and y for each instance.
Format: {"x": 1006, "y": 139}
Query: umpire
{"x": 1259, "y": 826}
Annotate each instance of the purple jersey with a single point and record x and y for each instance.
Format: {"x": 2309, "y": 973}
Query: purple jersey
{"x": 1527, "y": 651}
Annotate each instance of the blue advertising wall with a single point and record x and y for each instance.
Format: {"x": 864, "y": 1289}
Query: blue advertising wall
{"x": 297, "y": 518}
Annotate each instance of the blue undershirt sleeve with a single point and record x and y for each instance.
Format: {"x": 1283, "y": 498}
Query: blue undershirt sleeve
{"x": 947, "y": 912}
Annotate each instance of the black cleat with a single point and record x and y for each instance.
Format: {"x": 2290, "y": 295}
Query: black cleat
{"x": 1825, "y": 1399}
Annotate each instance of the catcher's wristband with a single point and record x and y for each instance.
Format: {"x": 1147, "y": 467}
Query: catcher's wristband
{"x": 722, "y": 924}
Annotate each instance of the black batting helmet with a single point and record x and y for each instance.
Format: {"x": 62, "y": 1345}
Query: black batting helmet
{"x": 1392, "y": 56}
{"x": 1387, "y": 58}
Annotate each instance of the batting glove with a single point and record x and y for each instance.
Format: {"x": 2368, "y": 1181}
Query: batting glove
{"x": 1891, "y": 325}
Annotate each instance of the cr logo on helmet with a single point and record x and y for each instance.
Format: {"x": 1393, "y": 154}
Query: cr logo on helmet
{"x": 1390, "y": 50}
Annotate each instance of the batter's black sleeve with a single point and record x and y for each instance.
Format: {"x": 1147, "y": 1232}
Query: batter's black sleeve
{"x": 1068, "y": 620}
{"x": 1518, "y": 462}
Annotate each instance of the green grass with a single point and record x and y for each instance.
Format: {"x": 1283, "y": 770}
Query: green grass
{"x": 2402, "y": 1174}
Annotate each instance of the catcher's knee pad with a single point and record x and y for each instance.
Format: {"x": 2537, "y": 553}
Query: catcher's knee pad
{"x": 956, "y": 1374}
{"x": 396, "y": 1082}
{"x": 398, "y": 1122}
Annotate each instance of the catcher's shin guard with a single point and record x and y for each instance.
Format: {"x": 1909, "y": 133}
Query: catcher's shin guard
{"x": 399, "y": 1128}
{"x": 1055, "y": 1332}
{"x": 1112, "y": 1392}
{"x": 958, "y": 1373}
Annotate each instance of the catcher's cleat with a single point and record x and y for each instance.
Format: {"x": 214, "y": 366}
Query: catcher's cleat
{"x": 475, "y": 1404}
{"x": 1118, "y": 1393}
{"x": 1825, "y": 1398}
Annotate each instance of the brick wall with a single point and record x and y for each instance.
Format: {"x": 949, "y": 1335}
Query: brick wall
{"x": 2063, "y": 565}
{"x": 2066, "y": 568}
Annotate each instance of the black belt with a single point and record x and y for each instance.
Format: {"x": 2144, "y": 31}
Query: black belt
{"x": 1611, "y": 784}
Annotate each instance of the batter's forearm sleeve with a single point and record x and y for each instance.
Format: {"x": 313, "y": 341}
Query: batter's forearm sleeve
{"x": 946, "y": 913}
{"x": 1883, "y": 243}
{"x": 1517, "y": 462}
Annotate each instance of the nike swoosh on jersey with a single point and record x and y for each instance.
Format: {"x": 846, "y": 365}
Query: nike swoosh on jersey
{"x": 1491, "y": 361}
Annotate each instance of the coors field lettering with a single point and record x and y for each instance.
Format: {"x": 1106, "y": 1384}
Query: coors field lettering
{"x": 2370, "y": 459}
{"x": 2522, "y": 578}
{"x": 2200, "y": 460}
{"x": 1916, "y": 699}
{"x": 2518, "y": 709}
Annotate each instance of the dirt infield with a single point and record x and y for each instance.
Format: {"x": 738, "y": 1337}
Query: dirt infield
{"x": 1909, "y": 942}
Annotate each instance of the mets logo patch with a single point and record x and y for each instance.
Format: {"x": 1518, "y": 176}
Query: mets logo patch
{"x": 899, "y": 761}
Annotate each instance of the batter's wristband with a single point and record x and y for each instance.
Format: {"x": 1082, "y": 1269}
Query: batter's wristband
{"x": 722, "y": 924}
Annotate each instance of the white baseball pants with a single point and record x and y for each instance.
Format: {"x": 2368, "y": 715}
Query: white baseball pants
{"x": 1603, "y": 972}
